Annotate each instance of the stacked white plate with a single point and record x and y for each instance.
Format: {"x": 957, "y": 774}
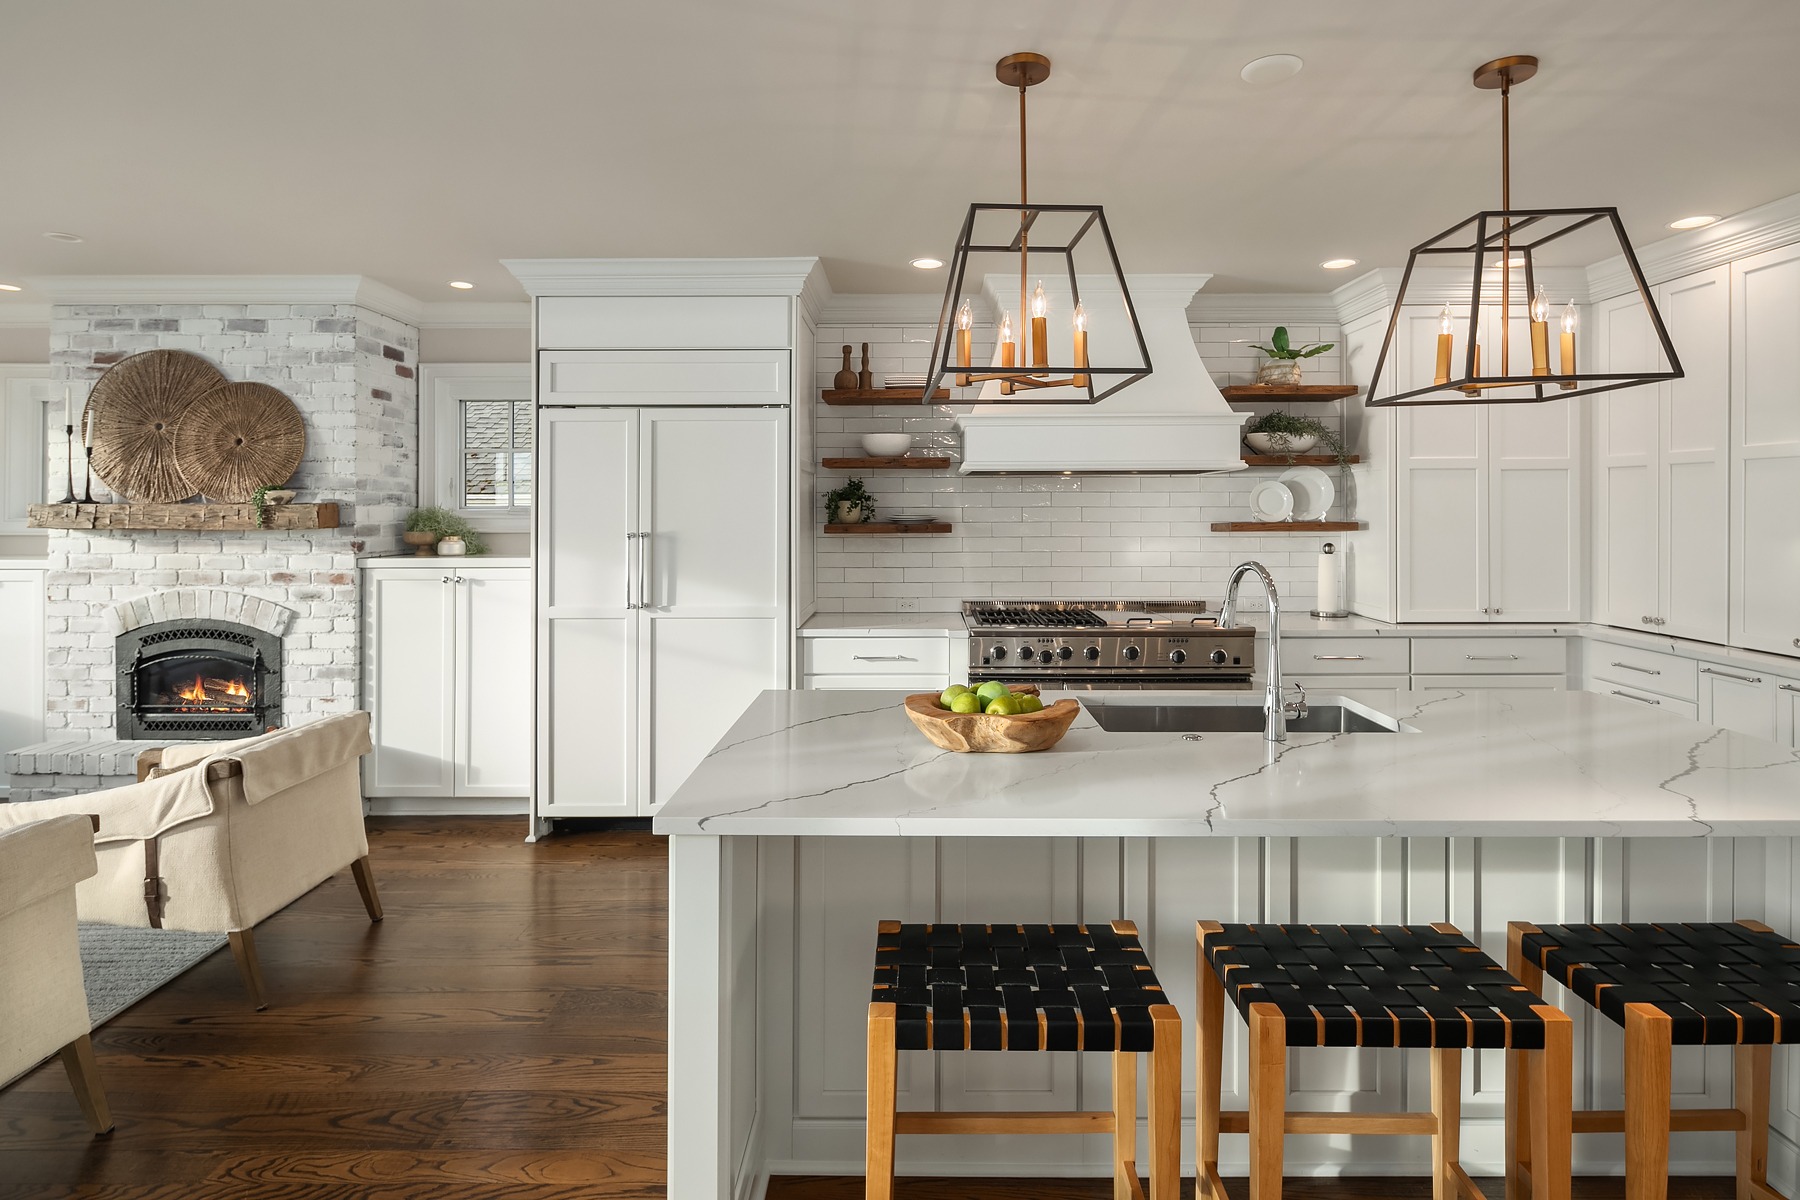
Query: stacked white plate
{"x": 903, "y": 381}
{"x": 910, "y": 520}
{"x": 1297, "y": 494}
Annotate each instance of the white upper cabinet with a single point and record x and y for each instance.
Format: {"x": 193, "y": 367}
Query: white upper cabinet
{"x": 1765, "y": 452}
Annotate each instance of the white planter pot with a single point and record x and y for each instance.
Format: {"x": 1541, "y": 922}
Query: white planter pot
{"x": 1264, "y": 443}
{"x": 849, "y": 514}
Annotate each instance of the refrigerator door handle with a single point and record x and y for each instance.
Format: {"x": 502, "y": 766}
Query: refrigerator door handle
{"x": 630, "y": 583}
{"x": 644, "y": 566}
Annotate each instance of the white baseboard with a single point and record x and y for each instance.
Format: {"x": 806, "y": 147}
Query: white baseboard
{"x": 447, "y": 806}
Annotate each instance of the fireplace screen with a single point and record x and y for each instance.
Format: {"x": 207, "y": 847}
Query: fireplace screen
{"x": 196, "y": 680}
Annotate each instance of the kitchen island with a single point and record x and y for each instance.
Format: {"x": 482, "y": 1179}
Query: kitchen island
{"x": 820, "y": 813}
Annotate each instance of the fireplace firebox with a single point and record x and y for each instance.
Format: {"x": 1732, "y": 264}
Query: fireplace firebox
{"x": 198, "y": 679}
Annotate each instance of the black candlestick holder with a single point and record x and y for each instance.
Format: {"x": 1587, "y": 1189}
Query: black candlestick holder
{"x": 87, "y": 475}
{"x": 69, "y": 445}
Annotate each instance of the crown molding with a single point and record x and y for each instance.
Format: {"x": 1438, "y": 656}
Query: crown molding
{"x": 1262, "y": 308}
{"x": 1740, "y": 235}
{"x": 230, "y": 289}
{"x": 24, "y": 316}
{"x": 802, "y": 278}
{"x": 475, "y": 314}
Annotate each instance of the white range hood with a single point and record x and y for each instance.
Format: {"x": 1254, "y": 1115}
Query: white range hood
{"x": 1173, "y": 421}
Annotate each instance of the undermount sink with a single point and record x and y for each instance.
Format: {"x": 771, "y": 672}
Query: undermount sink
{"x": 1233, "y": 718}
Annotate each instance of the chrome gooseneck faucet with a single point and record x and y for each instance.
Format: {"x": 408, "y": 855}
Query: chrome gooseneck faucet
{"x": 1274, "y": 707}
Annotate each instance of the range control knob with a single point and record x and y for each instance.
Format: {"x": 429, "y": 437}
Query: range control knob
{"x": 1217, "y": 657}
{"x": 1092, "y": 653}
{"x": 1064, "y": 653}
{"x": 1178, "y": 657}
{"x": 1027, "y": 654}
{"x": 1046, "y": 657}
{"x": 997, "y": 653}
{"x": 1132, "y": 653}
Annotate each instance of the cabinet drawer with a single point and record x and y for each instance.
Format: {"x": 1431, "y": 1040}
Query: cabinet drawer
{"x": 1345, "y": 656}
{"x": 1490, "y": 656}
{"x": 1644, "y": 671}
{"x": 1637, "y": 695}
{"x": 875, "y": 656}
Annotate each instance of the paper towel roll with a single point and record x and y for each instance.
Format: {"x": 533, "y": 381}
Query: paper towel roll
{"x": 1332, "y": 593}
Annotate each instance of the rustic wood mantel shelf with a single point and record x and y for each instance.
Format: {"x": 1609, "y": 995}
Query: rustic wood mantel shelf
{"x": 181, "y": 516}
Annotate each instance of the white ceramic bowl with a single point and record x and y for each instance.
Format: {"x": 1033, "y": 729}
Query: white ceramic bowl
{"x": 1263, "y": 443}
{"x": 886, "y": 445}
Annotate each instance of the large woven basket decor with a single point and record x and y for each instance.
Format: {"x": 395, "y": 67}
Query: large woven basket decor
{"x": 237, "y": 438}
{"x": 136, "y": 408}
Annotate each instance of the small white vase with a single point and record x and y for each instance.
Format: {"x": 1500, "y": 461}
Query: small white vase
{"x": 1282, "y": 372}
{"x": 849, "y": 513}
{"x": 451, "y": 546}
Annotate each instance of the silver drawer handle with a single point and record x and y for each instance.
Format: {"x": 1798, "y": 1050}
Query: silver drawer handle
{"x": 1492, "y": 657}
{"x": 1786, "y": 687}
{"x": 1635, "y": 667}
{"x": 1338, "y": 658}
{"x": 1729, "y": 675}
{"x": 882, "y": 658}
{"x": 1639, "y": 699}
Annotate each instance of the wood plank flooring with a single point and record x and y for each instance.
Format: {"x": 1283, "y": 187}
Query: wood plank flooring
{"x": 500, "y": 1035}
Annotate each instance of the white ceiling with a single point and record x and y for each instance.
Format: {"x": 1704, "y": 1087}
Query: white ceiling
{"x": 418, "y": 141}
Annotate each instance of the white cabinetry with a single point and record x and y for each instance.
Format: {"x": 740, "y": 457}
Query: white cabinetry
{"x": 1787, "y": 712}
{"x": 1765, "y": 452}
{"x": 917, "y": 662}
{"x": 447, "y": 650}
{"x": 1660, "y": 464}
{"x": 1737, "y": 699}
{"x": 21, "y": 659}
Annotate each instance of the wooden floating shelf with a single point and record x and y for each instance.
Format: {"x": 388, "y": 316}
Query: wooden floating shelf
{"x": 181, "y": 517}
{"x": 1305, "y": 393}
{"x": 880, "y": 395}
{"x": 880, "y": 527}
{"x": 1297, "y": 460}
{"x": 1286, "y": 526}
{"x": 896, "y": 462}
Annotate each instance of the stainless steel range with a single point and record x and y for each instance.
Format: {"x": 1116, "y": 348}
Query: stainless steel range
{"x": 1112, "y": 645}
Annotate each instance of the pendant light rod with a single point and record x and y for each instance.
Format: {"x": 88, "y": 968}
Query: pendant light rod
{"x": 1502, "y": 73}
{"x": 1023, "y": 70}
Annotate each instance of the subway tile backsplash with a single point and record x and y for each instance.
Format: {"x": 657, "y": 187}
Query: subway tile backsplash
{"x": 1056, "y": 537}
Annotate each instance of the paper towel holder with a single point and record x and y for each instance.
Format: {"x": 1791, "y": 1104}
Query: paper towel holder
{"x": 1329, "y": 548}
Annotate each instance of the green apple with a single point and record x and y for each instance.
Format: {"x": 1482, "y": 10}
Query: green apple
{"x": 951, "y": 693}
{"x": 965, "y": 702}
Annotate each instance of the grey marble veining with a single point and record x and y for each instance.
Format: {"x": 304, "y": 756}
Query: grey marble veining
{"x": 1481, "y": 763}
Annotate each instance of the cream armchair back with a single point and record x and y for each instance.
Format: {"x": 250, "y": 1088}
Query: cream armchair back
{"x": 43, "y": 1007}
{"x": 221, "y": 835}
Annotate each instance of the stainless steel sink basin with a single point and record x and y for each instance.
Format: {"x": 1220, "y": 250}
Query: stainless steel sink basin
{"x": 1230, "y": 718}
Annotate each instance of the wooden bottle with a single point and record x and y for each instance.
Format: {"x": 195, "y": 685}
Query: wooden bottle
{"x": 866, "y": 380}
{"x": 845, "y": 379}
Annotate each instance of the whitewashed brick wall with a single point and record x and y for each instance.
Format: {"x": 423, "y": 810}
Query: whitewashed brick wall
{"x": 1054, "y": 537}
{"x": 350, "y": 371}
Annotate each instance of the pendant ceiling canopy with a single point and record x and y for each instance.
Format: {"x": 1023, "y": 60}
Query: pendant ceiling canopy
{"x": 1074, "y": 337}
{"x": 1485, "y": 353}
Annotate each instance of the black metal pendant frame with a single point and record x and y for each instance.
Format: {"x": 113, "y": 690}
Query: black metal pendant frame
{"x": 1483, "y": 235}
{"x": 943, "y": 345}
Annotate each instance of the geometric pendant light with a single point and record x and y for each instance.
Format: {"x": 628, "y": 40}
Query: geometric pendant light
{"x": 1071, "y": 293}
{"x": 1499, "y": 250}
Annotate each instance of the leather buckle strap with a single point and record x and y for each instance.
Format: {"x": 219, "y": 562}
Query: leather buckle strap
{"x": 153, "y": 892}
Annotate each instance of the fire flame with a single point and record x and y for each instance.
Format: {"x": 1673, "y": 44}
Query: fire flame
{"x": 195, "y": 693}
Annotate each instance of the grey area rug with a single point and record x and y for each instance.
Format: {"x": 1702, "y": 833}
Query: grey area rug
{"x": 121, "y": 965}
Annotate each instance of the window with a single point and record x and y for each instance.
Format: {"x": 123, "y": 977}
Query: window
{"x": 475, "y": 422}
{"x": 26, "y": 442}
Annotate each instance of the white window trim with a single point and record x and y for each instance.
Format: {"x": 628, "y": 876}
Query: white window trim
{"x": 442, "y": 389}
{"x": 26, "y": 446}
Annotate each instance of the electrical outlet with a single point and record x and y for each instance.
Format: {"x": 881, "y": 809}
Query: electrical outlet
{"x": 909, "y": 605}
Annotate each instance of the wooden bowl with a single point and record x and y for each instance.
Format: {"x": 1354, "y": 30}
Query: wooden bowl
{"x": 983, "y": 733}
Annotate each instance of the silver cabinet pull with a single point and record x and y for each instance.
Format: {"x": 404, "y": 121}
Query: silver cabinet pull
{"x": 1639, "y": 699}
{"x": 1635, "y": 667}
{"x": 1338, "y": 657}
{"x": 645, "y": 598}
{"x": 1491, "y": 657}
{"x": 1729, "y": 675}
{"x": 1786, "y": 687}
{"x": 1660, "y": 621}
{"x": 448, "y": 579}
{"x": 882, "y": 658}
{"x": 630, "y": 570}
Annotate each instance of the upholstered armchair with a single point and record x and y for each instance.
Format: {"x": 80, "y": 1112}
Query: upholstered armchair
{"x": 218, "y": 836}
{"x": 43, "y": 1008}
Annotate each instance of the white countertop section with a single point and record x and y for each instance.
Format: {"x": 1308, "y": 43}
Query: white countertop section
{"x": 913, "y": 624}
{"x": 439, "y": 562}
{"x": 24, "y": 564}
{"x": 1481, "y": 764}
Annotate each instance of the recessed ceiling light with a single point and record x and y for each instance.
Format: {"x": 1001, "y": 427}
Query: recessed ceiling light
{"x": 63, "y": 237}
{"x": 1271, "y": 68}
{"x": 1338, "y": 264}
{"x": 10, "y": 287}
{"x": 462, "y": 284}
{"x": 1699, "y": 222}
{"x": 928, "y": 264}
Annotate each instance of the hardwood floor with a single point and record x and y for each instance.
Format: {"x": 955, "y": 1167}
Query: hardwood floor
{"x": 500, "y": 1034}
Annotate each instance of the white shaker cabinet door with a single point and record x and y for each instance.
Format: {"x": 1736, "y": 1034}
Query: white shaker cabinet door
{"x": 409, "y": 640}
{"x": 1535, "y": 539}
{"x": 493, "y": 682}
{"x": 1442, "y": 513}
{"x": 1765, "y": 452}
{"x": 1625, "y": 460}
{"x": 588, "y": 505}
{"x": 1695, "y": 457}
{"x": 588, "y": 685}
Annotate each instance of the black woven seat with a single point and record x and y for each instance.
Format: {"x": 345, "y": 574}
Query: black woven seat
{"x": 1017, "y": 987}
{"x": 1720, "y": 983}
{"x": 1376, "y": 985}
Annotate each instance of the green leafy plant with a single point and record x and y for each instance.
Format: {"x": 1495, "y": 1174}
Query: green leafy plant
{"x": 445, "y": 523}
{"x": 1283, "y": 428}
{"x": 260, "y": 500}
{"x": 1279, "y": 346}
{"x": 853, "y": 494}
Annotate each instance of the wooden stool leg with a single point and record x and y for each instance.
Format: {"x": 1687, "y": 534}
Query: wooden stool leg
{"x": 1750, "y": 1082}
{"x": 1446, "y": 1106}
{"x": 1647, "y": 1069}
{"x": 1124, "y": 1102}
{"x": 84, "y": 1077}
{"x": 878, "y": 1182}
{"x": 243, "y": 948}
{"x": 1268, "y": 1099}
{"x": 1209, "y": 1062}
{"x": 1518, "y": 1093}
{"x": 365, "y": 884}
{"x": 1165, "y": 1105}
{"x": 1550, "y": 1074}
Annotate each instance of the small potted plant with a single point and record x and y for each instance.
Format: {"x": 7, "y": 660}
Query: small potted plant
{"x": 428, "y": 526}
{"x": 849, "y": 504}
{"x": 1282, "y": 432}
{"x": 1283, "y": 366}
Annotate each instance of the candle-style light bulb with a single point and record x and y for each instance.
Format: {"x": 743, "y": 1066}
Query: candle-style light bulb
{"x": 965, "y": 320}
{"x": 1540, "y": 307}
{"x": 1040, "y": 303}
{"x": 1569, "y": 317}
{"x": 1008, "y": 351}
{"x": 1006, "y": 336}
{"x": 1081, "y": 352}
{"x": 1080, "y": 318}
{"x": 1445, "y": 321}
{"x": 1040, "y": 329}
{"x": 1540, "y": 332}
{"x": 1568, "y": 344}
{"x": 965, "y": 316}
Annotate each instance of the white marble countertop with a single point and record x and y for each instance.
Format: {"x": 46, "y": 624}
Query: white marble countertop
{"x": 436, "y": 562}
{"x": 1488, "y": 764}
{"x": 912, "y": 624}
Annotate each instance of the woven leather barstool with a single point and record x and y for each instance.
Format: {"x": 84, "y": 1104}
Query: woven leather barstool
{"x": 1425, "y": 986}
{"x": 1726, "y": 984}
{"x": 1026, "y": 987}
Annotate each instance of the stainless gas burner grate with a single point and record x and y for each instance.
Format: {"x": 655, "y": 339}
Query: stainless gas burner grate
{"x": 1038, "y": 618}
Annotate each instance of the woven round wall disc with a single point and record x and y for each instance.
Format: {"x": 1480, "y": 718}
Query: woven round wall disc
{"x": 136, "y": 408}
{"x": 237, "y": 438}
